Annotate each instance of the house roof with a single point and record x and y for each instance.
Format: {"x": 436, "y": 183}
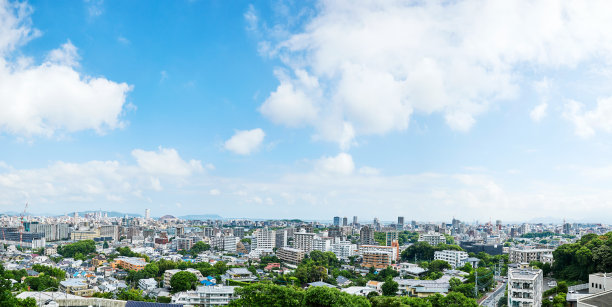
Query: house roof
{"x": 320, "y": 284}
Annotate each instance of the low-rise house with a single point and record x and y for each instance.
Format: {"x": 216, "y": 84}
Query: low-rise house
{"x": 320, "y": 284}
{"x": 147, "y": 284}
{"x": 343, "y": 281}
{"x": 361, "y": 291}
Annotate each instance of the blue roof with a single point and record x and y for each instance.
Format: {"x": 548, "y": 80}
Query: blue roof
{"x": 207, "y": 283}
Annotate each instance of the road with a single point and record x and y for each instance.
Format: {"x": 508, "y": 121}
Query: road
{"x": 493, "y": 298}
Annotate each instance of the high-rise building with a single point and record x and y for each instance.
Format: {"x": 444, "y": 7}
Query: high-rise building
{"x": 147, "y": 214}
{"x": 376, "y": 224}
{"x": 336, "y": 221}
{"x": 367, "y": 236}
{"x": 354, "y": 220}
{"x": 75, "y": 219}
{"x": 304, "y": 241}
{"x": 345, "y": 221}
{"x": 264, "y": 239}
{"x": 400, "y": 223}
{"x": 391, "y": 236}
{"x": 281, "y": 238}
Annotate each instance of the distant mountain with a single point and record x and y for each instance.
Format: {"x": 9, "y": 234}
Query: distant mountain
{"x": 201, "y": 217}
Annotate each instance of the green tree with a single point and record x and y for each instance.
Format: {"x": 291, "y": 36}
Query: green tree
{"x": 183, "y": 281}
{"x": 390, "y": 287}
{"x": 266, "y": 294}
{"x": 131, "y": 295}
{"x": 332, "y": 297}
{"x": 82, "y": 248}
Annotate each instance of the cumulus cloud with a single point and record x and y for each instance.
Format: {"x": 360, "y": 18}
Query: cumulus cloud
{"x": 52, "y": 96}
{"x": 245, "y": 142}
{"x": 165, "y": 161}
{"x": 538, "y": 112}
{"x": 371, "y": 65}
{"x": 586, "y": 123}
{"x": 342, "y": 164}
{"x": 96, "y": 180}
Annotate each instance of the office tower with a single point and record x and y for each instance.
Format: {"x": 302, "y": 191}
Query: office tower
{"x": 76, "y": 218}
{"x": 354, "y": 220}
{"x": 400, "y": 223}
{"x": 281, "y": 238}
{"x": 336, "y": 221}
{"x": 345, "y": 221}
{"x": 376, "y": 224}
{"x": 367, "y": 236}
{"x": 147, "y": 214}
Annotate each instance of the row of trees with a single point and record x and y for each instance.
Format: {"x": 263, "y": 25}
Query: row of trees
{"x": 267, "y": 294}
{"x": 592, "y": 253}
{"x": 77, "y": 250}
{"x": 6, "y": 296}
{"x": 424, "y": 251}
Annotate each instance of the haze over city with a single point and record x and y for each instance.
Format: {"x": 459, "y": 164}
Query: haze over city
{"x": 308, "y": 109}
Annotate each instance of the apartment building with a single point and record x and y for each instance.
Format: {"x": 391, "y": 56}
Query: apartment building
{"x": 456, "y": 259}
{"x": 433, "y": 238}
{"x": 304, "y": 241}
{"x": 392, "y": 250}
{"x": 206, "y": 296}
{"x": 130, "y": 263}
{"x": 391, "y": 236}
{"x": 169, "y": 273}
{"x": 322, "y": 244}
{"x": 344, "y": 249}
{"x": 75, "y": 286}
{"x": 525, "y": 287}
{"x": 376, "y": 259}
{"x": 527, "y": 255}
{"x": 111, "y": 231}
{"x": 599, "y": 282}
{"x": 291, "y": 255}
{"x": 281, "y": 238}
{"x": 265, "y": 239}
{"x": 366, "y": 235}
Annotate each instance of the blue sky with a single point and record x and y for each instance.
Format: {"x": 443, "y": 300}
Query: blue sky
{"x": 308, "y": 109}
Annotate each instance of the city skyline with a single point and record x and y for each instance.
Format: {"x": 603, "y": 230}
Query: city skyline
{"x": 315, "y": 109}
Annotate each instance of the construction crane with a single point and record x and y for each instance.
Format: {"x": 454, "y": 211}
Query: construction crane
{"x": 21, "y": 226}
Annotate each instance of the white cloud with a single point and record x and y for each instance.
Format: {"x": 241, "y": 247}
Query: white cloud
{"x": 51, "y": 97}
{"x": 342, "y": 164}
{"x": 369, "y": 171}
{"x": 250, "y": 16}
{"x": 97, "y": 181}
{"x": 165, "y": 161}
{"x": 377, "y": 63}
{"x": 245, "y": 142}
{"x": 123, "y": 40}
{"x": 538, "y": 112}
{"x": 214, "y": 192}
{"x": 586, "y": 123}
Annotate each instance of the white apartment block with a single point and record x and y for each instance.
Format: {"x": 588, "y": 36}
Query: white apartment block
{"x": 264, "y": 239}
{"x": 525, "y": 287}
{"x": 599, "y": 282}
{"x": 169, "y": 273}
{"x": 432, "y": 238}
{"x": 528, "y": 255}
{"x": 393, "y": 250}
{"x": 322, "y": 244}
{"x": 304, "y": 241}
{"x": 456, "y": 259}
{"x": 344, "y": 249}
{"x": 230, "y": 243}
{"x": 206, "y": 296}
{"x": 147, "y": 284}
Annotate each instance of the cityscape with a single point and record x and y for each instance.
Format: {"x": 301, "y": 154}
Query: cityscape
{"x": 312, "y": 153}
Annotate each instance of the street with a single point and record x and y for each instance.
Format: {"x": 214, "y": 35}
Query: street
{"x": 493, "y": 298}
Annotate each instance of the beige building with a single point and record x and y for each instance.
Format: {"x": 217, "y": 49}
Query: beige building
{"x": 291, "y": 255}
{"x": 376, "y": 259}
{"x": 75, "y": 286}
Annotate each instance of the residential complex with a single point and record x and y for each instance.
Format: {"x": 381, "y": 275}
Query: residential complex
{"x": 525, "y": 287}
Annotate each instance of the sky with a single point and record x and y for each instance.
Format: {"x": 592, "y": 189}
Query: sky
{"x": 477, "y": 110}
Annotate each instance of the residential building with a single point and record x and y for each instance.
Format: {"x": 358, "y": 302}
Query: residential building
{"x": 238, "y": 274}
{"x": 304, "y": 241}
{"x": 322, "y": 244}
{"x": 169, "y": 273}
{"x": 76, "y": 286}
{"x": 130, "y": 263}
{"x": 79, "y": 235}
{"x": 391, "y": 236}
{"x": 525, "y": 287}
{"x": 264, "y": 239}
{"x": 147, "y": 284}
{"x": 291, "y": 255}
{"x": 281, "y": 238}
{"x": 377, "y": 259}
{"x": 230, "y": 243}
{"x": 527, "y": 255}
{"x": 343, "y": 249}
{"x": 393, "y": 250}
{"x": 217, "y": 295}
{"x": 599, "y": 282}
{"x": 432, "y": 238}
{"x": 366, "y": 235}
{"x": 345, "y": 221}
{"x": 456, "y": 259}
{"x": 183, "y": 243}
{"x": 109, "y": 231}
